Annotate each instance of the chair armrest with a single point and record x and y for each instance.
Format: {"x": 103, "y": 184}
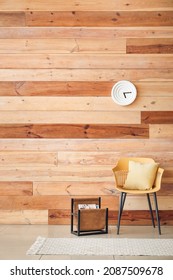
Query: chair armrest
{"x": 157, "y": 182}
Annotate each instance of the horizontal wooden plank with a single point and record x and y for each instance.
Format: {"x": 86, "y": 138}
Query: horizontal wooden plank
{"x": 78, "y": 45}
{"x": 133, "y": 203}
{"x": 123, "y": 146}
{"x": 54, "y": 88}
{"x": 55, "y": 117}
{"x": 59, "y": 217}
{"x": 71, "y": 173}
{"x": 148, "y": 45}
{"x": 12, "y": 19}
{"x": 99, "y": 18}
{"x": 52, "y": 174}
{"x": 85, "y": 32}
{"x": 28, "y": 158}
{"x": 88, "y": 104}
{"x": 47, "y": 202}
{"x": 132, "y": 217}
{"x": 86, "y": 61}
{"x": 109, "y": 158}
{"x": 161, "y": 131}
{"x": 57, "y": 88}
{"x": 73, "y": 188}
{"x": 16, "y": 188}
{"x": 143, "y": 217}
{"x": 74, "y": 131}
{"x": 80, "y": 5}
{"x": 85, "y": 74}
{"x": 159, "y": 117}
{"x": 24, "y": 217}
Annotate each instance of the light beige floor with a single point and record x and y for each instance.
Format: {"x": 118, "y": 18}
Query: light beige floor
{"x": 15, "y": 240}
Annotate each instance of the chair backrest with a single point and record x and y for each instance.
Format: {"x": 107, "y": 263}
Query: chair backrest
{"x": 123, "y": 163}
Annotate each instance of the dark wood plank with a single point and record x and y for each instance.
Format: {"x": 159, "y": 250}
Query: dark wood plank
{"x": 14, "y": 19}
{"x": 157, "y": 117}
{"x": 74, "y": 131}
{"x": 95, "y": 18}
{"x": 55, "y": 88}
{"x": 130, "y": 218}
{"x": 149, "y": 45}
{"x": 16, "y": 188}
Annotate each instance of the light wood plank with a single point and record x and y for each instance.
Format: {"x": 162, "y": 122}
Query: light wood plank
{"x": 85, "y": 74}
{"x": 141, "y": 203}
{"x": 94, "y": 104}
{"x": 31, "y": 217}
{"x": 80, "y": 5}
{"x": 161, "y": 131}
{"x": 16, "y": 188}
{"x": 83, "y": 173}
{"x": 85, "y": 32}
{"x": 110, "y": 158}
{"x": 73, "y": 188}
{"x": 88, "y": 145}
{"x": 54, "y": 117}
{"x": 69, "y": 174}
{"x": 87, "y": 61}
{"x": 28, "y": 158}
{"x": 49, "y": 46}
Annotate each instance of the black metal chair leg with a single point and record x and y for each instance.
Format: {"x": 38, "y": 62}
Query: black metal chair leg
{"x": 157, "y": 212}
{"x": 151, "y": 211}
{"x": 122, "y": 201}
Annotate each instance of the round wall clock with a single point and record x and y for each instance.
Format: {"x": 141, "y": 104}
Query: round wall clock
{"x": 124, "y": 93}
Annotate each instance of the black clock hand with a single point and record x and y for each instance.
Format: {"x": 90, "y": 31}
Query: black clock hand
{"x": 126, "y": 93}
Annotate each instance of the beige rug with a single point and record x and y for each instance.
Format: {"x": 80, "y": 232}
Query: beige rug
{"x": 102, "y": 246}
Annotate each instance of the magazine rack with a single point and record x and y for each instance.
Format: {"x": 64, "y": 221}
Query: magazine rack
{"x": 88, "y": 221}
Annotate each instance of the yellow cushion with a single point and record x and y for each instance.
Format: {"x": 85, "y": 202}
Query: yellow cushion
{"x": 141, "y": 176}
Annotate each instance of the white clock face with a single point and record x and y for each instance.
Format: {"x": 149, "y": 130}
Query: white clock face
{"x": 124, "y": 93}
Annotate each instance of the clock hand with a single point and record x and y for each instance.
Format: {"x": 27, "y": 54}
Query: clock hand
{"x": 126, "y": 93}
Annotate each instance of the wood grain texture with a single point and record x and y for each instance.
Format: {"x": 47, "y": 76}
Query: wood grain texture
{"x": 12, "y": 19}
{"x": 161, "y": 131}
{"x": 159, "y": 117}
{"x": 50, "y": 46}
{"x": 55, "y": 117}
{"x": 74, "y": 131}
{"x": 85, "y": 32}
{"x": 147, "y": 45}
{"x": 73, "y": 188}
{"x": 85, "y": 61}
{"x": 25, "y": 158}
{"x": 87, "y": 145}
{"x": 93, "y": 75}
{"x": 24, "y": 217}
{"x": 81, "y": 88}
{"x": 16, "y": 188}
{"x": 130, "y": 218}
{"x": 47, "y": 202}
{"x": 99, "y": 18}
{"x": 68, "y": 5}
{"x": 84, "y": 104}
{"x": 60, "y": 131}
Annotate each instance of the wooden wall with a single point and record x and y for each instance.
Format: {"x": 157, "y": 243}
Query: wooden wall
{"x": 60, "y": 131}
